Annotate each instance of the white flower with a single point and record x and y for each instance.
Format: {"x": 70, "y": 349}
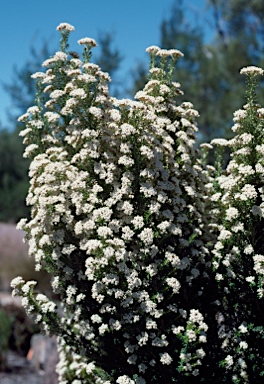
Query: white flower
{"x": 104, "y": 232}
{"x": 243, "y": 345}
{"x": 29, "y": 149}
{"x": 202, "y": 339}
{"x": 87, "y": 41}
{"x": 96, "y": 112}
{"x": 146, "y": 151}
{"x": 56, "y": 94}
{"x": 238, "y": 227}
{"x": 17, "y": 281}
{"x": 151, "y": 324}
{"x": 229, "y": 361}
{"x": 252, "y": 71}
{"x": 219, "y": 277}
{"x": 128, "y": 233}
{"x": 138, "y": 222}
{"x": 220, "y": 142}
{"x": 248, "y": 249}
{"x": 126, "y": 161}
{"x": 200, "y": 353}
{"x": 23, "y": 118}
{"x": 163, "y": 53}
{"x": 114, "y": 324}
{"x": 259, "y": 264}
{"x": 239, "y": 115}
{"x": 174, "y": 284}
{"x": 52, "y": 117}
{"x": 147, "y": 189}
{"x": 127, "y": 130}
{"x": 60, "y": 56}
{"x": 196, "y": 316}
{"x": 38, "y": 75}
{"x": 165, "y": 358}
{"x": 177, "y": 330}
{"x": 245, "y": 170}
{"x": 231, "y": 213}
{"x": 173, "y": 259}
{"x": 102, "y": 329}
{"x": 78, "y": 92}
{"x": 142, "y": 338}
{"x": 249, "y": 191}
{"x": 96, "y": 319}
{"x": 191, "y": 335}
{"x": 163, "y": 227}
{"x": 224, "y": 235}
{"x": 65, "y": 27}
{"x": 33, "y": 110}
{"x": 260, "y": 149}
{"x": 242, "y": 328}
{"x": 250, "y": 279}
{"x": 125, "y": 380}
{"x": 175, "y": 53}
{"x": 153, "y": 49}
{"x": 146, "y": 236}
{"x": 27, "y": 286}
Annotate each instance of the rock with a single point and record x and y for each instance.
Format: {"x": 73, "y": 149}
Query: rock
{"x": 43, "y": 356}
{"x": 6, "y": 299}
{"x": 13, "y": 254}
{"x": 19, "y": 371}
{"x": 14, "y": 260}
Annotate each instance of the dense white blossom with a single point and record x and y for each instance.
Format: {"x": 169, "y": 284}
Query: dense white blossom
{"x": 118, "y": 198}
{"x": 252, "y": 71}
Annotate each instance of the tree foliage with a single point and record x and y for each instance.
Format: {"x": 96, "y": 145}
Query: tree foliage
{"x": 13, "y": 177}
{"x": 210, "y": 69}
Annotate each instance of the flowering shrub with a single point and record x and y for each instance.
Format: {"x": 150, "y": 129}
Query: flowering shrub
{"x": 122, "y": 219}
{"x": 238, "y": 251}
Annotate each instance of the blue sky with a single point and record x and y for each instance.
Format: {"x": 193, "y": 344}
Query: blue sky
{"x": 135, "y": 24}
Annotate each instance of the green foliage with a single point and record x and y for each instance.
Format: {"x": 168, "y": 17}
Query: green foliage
{"x": 22, "y": 88}
{"x": 13, "y": 177}
{"x": 5, "y": 332}
{"x": 110, "y": 58}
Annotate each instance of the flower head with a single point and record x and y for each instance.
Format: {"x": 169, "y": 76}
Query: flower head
{"x": 65, "y": 27}
{"x": 87, "y": 41}
{"x": 252, "y": 71}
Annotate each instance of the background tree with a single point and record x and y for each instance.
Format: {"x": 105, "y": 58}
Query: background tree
{"x": 109, "y": 59}
{"x": 21, "y": 89}
{"x": 13, "y": 176}
{"x": 210, "y": 69}
{"x": 13, "y": 167}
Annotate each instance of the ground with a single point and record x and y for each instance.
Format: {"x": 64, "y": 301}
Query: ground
{"x": 20, "y": 371}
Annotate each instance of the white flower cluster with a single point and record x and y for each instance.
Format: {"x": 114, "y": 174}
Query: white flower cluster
{"x": 119, "y": 217}
{"x": 238, "y": 253}
{"x": 74, "y": 368}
